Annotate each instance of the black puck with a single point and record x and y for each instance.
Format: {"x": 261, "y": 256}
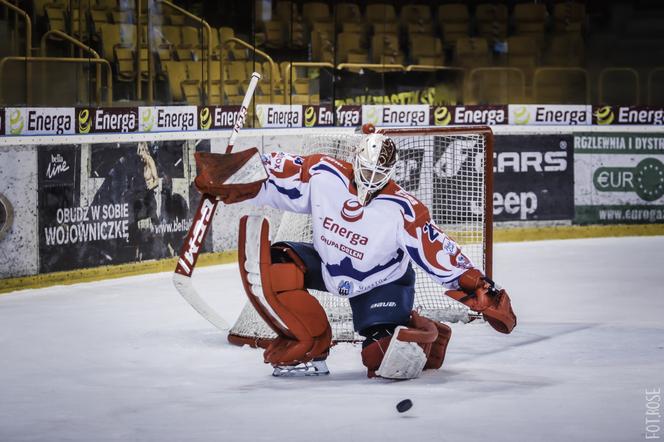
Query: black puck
{"x": 404, "y": 405}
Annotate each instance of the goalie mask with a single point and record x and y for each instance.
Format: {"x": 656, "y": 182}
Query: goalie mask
{"x": 373, "y": 164}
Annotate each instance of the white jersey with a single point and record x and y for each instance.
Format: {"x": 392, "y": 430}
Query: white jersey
{"x": 361, "y": 247}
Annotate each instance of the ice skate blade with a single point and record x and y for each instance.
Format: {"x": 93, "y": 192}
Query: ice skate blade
{"x": 313, "y": 368}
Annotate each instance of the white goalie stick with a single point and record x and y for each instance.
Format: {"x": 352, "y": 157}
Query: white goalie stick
{"x": 199, "y": 228}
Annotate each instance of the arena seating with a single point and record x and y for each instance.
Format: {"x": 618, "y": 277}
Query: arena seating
{"x": 547, "y": 46}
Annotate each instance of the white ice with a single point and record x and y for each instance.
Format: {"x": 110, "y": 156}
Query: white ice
{"x": 129, "y": 360}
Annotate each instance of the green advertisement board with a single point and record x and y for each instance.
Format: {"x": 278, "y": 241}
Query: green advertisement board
{"x": 619, "y": 178}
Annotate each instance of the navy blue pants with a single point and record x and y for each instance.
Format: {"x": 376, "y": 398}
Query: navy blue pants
{"x": 386, "y": 305}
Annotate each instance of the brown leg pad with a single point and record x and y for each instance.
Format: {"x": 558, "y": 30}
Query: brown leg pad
{"x": 439, "y": 347}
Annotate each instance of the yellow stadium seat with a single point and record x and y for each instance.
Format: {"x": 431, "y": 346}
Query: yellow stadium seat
{"x": 454, "y": 21}
{"x": 322, "y": 46}
{"x": 121, "y": 16}
{"x": 176, "y": 19}
{"x": 236, "y": 70}
{"x": 419, "y": 28}
{"x": 287, "y": 11}
{"x": 99, "y": 17}
{"x": 316, "y": 12}
{"x": 191, "y": 37}
{"x": 386, "y": 47}
{"x": 347, "y": 12}
{"x": 565, "y": 50}
{"x": 124, "y": 62}
{"x": 569, "y": 17}
{"x": 171, "y": 35}
{"x": 492, "y": 19}
{"x": 472, "y": 52}
{"x": 426, "y": 49}
{"x": 232, "y": 92}
{"x": 196, "y": 70}
{"x": 112, "y": 35}
{"x": 275, "y": 37}
{"x": 385, "y": 28}
{"x": 522, "y": 52}
{"x": 415, "y": 14}
{"x": 348, "y": 43}
{"x": 380, "y": 13}
{"x": 530, "y": 18}
{"x": 176, "y": 72}
{"x": 105, "y": 4}
{"x": 361, "y": 31}
{"x": 55, "y": 15}
{"x": 191, "y": 91}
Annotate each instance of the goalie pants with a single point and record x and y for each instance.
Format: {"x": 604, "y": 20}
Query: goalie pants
{"x": 389, "y": 304}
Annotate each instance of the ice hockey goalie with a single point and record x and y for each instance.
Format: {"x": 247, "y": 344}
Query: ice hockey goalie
{"x": 367, "y": 234}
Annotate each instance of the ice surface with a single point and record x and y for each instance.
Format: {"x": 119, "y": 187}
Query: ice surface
{"x": 129, "y": 360}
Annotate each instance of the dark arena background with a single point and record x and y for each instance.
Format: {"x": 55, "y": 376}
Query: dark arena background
{"x": 532, "y": 130}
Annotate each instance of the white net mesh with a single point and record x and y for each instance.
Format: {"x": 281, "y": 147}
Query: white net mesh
{"x": 445, "y": 171}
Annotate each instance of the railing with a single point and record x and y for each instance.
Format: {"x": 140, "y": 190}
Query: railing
{"x": 208, "y": 32}
{"x": 28, "y": 25}
{"x": 273, "y": 65}
{"x": 28, "y": 38}
{"x": 494, "y": 71}
{"x": 602, "y": 79}
{"x": 101, "y": 61}
{"x": 378, "y": 67}
{"x": 300, "y": 64}
{"x": 651, "y": 81}
{"x": 542, "y": 71}
{"x": 80, "y": 45}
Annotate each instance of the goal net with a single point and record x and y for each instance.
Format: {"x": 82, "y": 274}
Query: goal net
{"x": 449, "y": 170}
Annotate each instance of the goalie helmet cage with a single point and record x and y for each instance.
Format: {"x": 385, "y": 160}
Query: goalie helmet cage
{"x": 448, "y": 169}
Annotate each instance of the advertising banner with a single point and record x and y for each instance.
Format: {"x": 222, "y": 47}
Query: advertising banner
{"x": 386, "y": 115}
{"x": 468, "y": 115}
{"x": 39, "y": 120}
{"x": 533, "y": 177}
{"x": 349, "y": 115}
{"x": 217, "y": 117}
{"x": 619, "y": 178}
{"x": 628, "y": 115}
{"x": 549, "y": 114}
{"x": 114, "y": 203}
{"x": 318, "y": 115}
{"x": 106, "y": 120}
{"x": 167, "y": 118}
{"x": 279, "y": 115}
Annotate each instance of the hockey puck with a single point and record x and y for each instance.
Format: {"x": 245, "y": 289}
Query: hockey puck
{"x": 404, "y": 405}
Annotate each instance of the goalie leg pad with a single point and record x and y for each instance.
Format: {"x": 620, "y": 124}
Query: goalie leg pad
{"x": 277, "y": 292}
{"x": 439, "y": 347}
{"x": 404, "y": 353}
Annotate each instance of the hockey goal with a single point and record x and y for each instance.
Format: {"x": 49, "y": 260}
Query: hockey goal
{"x": 449, "y": 170}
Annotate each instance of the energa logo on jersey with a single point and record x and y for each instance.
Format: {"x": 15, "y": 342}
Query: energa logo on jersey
{"x": 167, "y": 118}
{"x": 40, "y": 121}
{"x": 352, "y": 211}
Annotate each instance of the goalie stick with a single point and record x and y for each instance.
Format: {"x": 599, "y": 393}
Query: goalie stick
{"x": 199, "y": 228}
